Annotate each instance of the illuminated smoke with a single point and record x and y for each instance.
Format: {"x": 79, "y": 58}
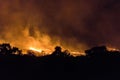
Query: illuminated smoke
{"x": 72, "y": 24}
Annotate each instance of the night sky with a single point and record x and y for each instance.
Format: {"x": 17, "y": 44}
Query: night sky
{"x": 74, "y": 24}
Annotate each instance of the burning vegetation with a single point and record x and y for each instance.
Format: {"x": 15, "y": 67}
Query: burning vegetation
{"x": 7, "y": 49}
{"x": 39, "y": 25}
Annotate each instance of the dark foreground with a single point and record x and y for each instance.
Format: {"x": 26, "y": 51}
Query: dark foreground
{"x": 98, "y": 64}
{"x": 58, "y": 68}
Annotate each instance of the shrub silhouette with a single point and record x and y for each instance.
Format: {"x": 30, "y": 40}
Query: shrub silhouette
{"x": 58, "y": 52}
{"x": 67, "y": 53}
{"x": 16, "y": 51}
{"x": 5, "y": 48}
{"x": 97, "y": 51}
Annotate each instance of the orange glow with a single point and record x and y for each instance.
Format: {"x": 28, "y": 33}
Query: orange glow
{"x": 47, "y": 51}
{"x": 40, "y": 25}
{"x": 112, "y": 49}
{"x": 37, "y": 51}
{"x": 78, "y": 53}
{"x": 27, "y": 29}
{"x": 34, "y": 49}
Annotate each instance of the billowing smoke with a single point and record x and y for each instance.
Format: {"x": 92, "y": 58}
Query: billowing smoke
{"x": 72, "y": 24}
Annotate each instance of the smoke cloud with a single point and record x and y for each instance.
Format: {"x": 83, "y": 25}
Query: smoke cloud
{"x": 73, "y": 24}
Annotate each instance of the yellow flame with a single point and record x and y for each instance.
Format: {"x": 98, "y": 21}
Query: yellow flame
{"x": 35, "y": 49}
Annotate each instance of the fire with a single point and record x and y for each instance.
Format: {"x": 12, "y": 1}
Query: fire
{"x": 78, "y": 53}
{"x": 112, "y": 49}
{"x": 35, "y": 49}
{"x": 40, "y": 51}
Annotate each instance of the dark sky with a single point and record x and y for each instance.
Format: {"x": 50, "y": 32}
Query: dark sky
{"x": 74, "y": 23}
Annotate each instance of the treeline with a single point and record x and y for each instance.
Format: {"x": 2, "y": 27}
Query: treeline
{"x": 98, "y": 64}
{"x": 7, "y": 49}
{"x": 99, "y": 51}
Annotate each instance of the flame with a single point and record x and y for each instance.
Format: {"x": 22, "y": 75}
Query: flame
{"x": 35, "y": 49}
{"x": 39, "y": 51}
{"x": 112, "y": 49}
{"x": 27, "y": 29}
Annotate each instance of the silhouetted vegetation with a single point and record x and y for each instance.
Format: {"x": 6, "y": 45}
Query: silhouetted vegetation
{"x": 6, "y": 49}
{"x": 98, "y": 64}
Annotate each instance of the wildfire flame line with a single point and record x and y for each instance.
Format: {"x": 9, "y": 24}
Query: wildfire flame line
{"x": 34, "y": 49}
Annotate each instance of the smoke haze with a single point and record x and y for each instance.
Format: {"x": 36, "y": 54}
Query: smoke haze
{"x": 72, "y": 24}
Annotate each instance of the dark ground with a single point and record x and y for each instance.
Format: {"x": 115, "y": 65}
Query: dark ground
{"x": 25, "y": 68}
{"x": 99, "y": 64}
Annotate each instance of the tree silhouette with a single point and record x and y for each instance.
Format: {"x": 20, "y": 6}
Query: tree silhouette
{"x": 67, "y": 53}
{"x": 58, "y": 51}
{"x": 5, "y": 48}
{"x": 97, "y": 51}
{"x": 16, "y": 51}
